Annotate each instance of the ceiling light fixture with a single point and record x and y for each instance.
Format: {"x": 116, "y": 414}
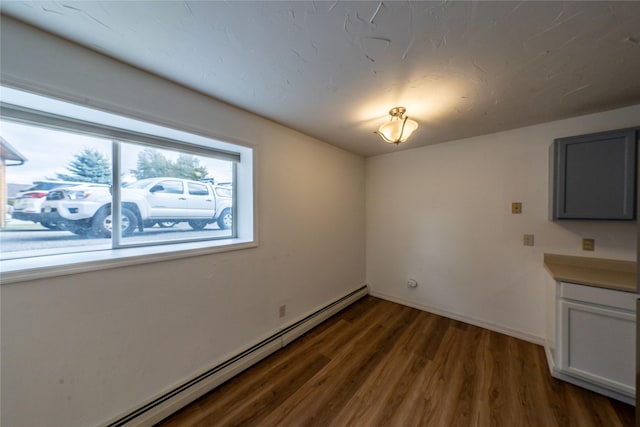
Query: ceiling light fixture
{"x": 399, "y": 128}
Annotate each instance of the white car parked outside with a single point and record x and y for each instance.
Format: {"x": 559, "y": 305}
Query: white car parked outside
{"x": 28, "y": 202}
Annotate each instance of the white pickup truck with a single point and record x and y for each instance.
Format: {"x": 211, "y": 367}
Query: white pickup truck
{"x": 86, "y": 210}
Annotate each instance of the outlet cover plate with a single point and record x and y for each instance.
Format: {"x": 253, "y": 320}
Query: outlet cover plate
{"x": 527, "y": 240}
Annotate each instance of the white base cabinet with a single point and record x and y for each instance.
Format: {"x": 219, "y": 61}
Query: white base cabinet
{"x": 596, "y": 339}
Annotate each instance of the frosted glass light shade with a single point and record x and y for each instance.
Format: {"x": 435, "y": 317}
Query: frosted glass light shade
{"x": 399, "y": 128}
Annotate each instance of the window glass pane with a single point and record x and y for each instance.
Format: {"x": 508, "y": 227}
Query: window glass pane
{"x": 60, "y": 199}
{"x": 55, "y": 160}
{"x": 198, "y": 189}
{"x": 173, "y": 196}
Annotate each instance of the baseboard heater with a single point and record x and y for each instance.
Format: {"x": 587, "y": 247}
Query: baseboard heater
{"x": 180, "y": 396}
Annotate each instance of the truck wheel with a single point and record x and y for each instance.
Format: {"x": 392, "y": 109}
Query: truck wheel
{"x": 103, "y": 222}
{"x": 225, "y": 220}
{"x": 198, "y": 224}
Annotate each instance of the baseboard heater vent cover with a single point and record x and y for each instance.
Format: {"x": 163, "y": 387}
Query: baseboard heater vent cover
{"x": 169, "y": 402}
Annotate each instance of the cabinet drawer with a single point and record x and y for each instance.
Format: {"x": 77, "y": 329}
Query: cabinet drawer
{"x": 599, "y": 296}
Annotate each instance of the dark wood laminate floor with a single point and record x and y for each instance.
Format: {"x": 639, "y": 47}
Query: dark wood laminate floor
{"x": 378, "y": 363}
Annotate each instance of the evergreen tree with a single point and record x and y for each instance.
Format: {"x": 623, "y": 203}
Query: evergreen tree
{"x": 88, "y": 166}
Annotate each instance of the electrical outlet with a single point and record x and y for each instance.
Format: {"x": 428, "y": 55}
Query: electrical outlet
{"x": 283, "y": 310}
{"x": 527, "y": 240}
{"x": 516, "y": 207}
{"x": 588, "y": 244}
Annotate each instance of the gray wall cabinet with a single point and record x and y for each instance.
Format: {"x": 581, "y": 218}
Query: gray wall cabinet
{"x": 595, "y": 176}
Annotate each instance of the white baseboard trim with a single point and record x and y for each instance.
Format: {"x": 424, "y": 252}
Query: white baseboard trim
{"x": 168, "y": 402}
{"x": 551, "y": 362}
{"x": 463, "y": 318}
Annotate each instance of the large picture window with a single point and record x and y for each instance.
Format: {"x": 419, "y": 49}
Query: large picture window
{"x": 112, "y": 183}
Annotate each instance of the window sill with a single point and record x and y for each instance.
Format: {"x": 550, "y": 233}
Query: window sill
{"x": 24, "y": 269}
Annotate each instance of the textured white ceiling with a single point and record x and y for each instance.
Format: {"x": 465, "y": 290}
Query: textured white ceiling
{"x": 333, "y": 69}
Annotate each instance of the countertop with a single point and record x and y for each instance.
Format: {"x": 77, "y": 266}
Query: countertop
{"x": 604, "y": 273}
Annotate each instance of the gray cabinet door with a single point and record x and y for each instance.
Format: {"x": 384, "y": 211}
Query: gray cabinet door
{"x": 595, "y": 176}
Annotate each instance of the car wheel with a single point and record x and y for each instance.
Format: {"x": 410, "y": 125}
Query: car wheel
{"x": 103, "y": 222}
{"x": 198, "y": 224}
{"x": 225, "y": 220}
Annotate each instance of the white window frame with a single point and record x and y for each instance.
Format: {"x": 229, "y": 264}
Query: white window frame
{"x": 107, "y": 124}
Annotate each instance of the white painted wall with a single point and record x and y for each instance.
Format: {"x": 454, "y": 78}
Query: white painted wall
{"x": 78, "y": 350}
{"x": 442, "y": 215}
